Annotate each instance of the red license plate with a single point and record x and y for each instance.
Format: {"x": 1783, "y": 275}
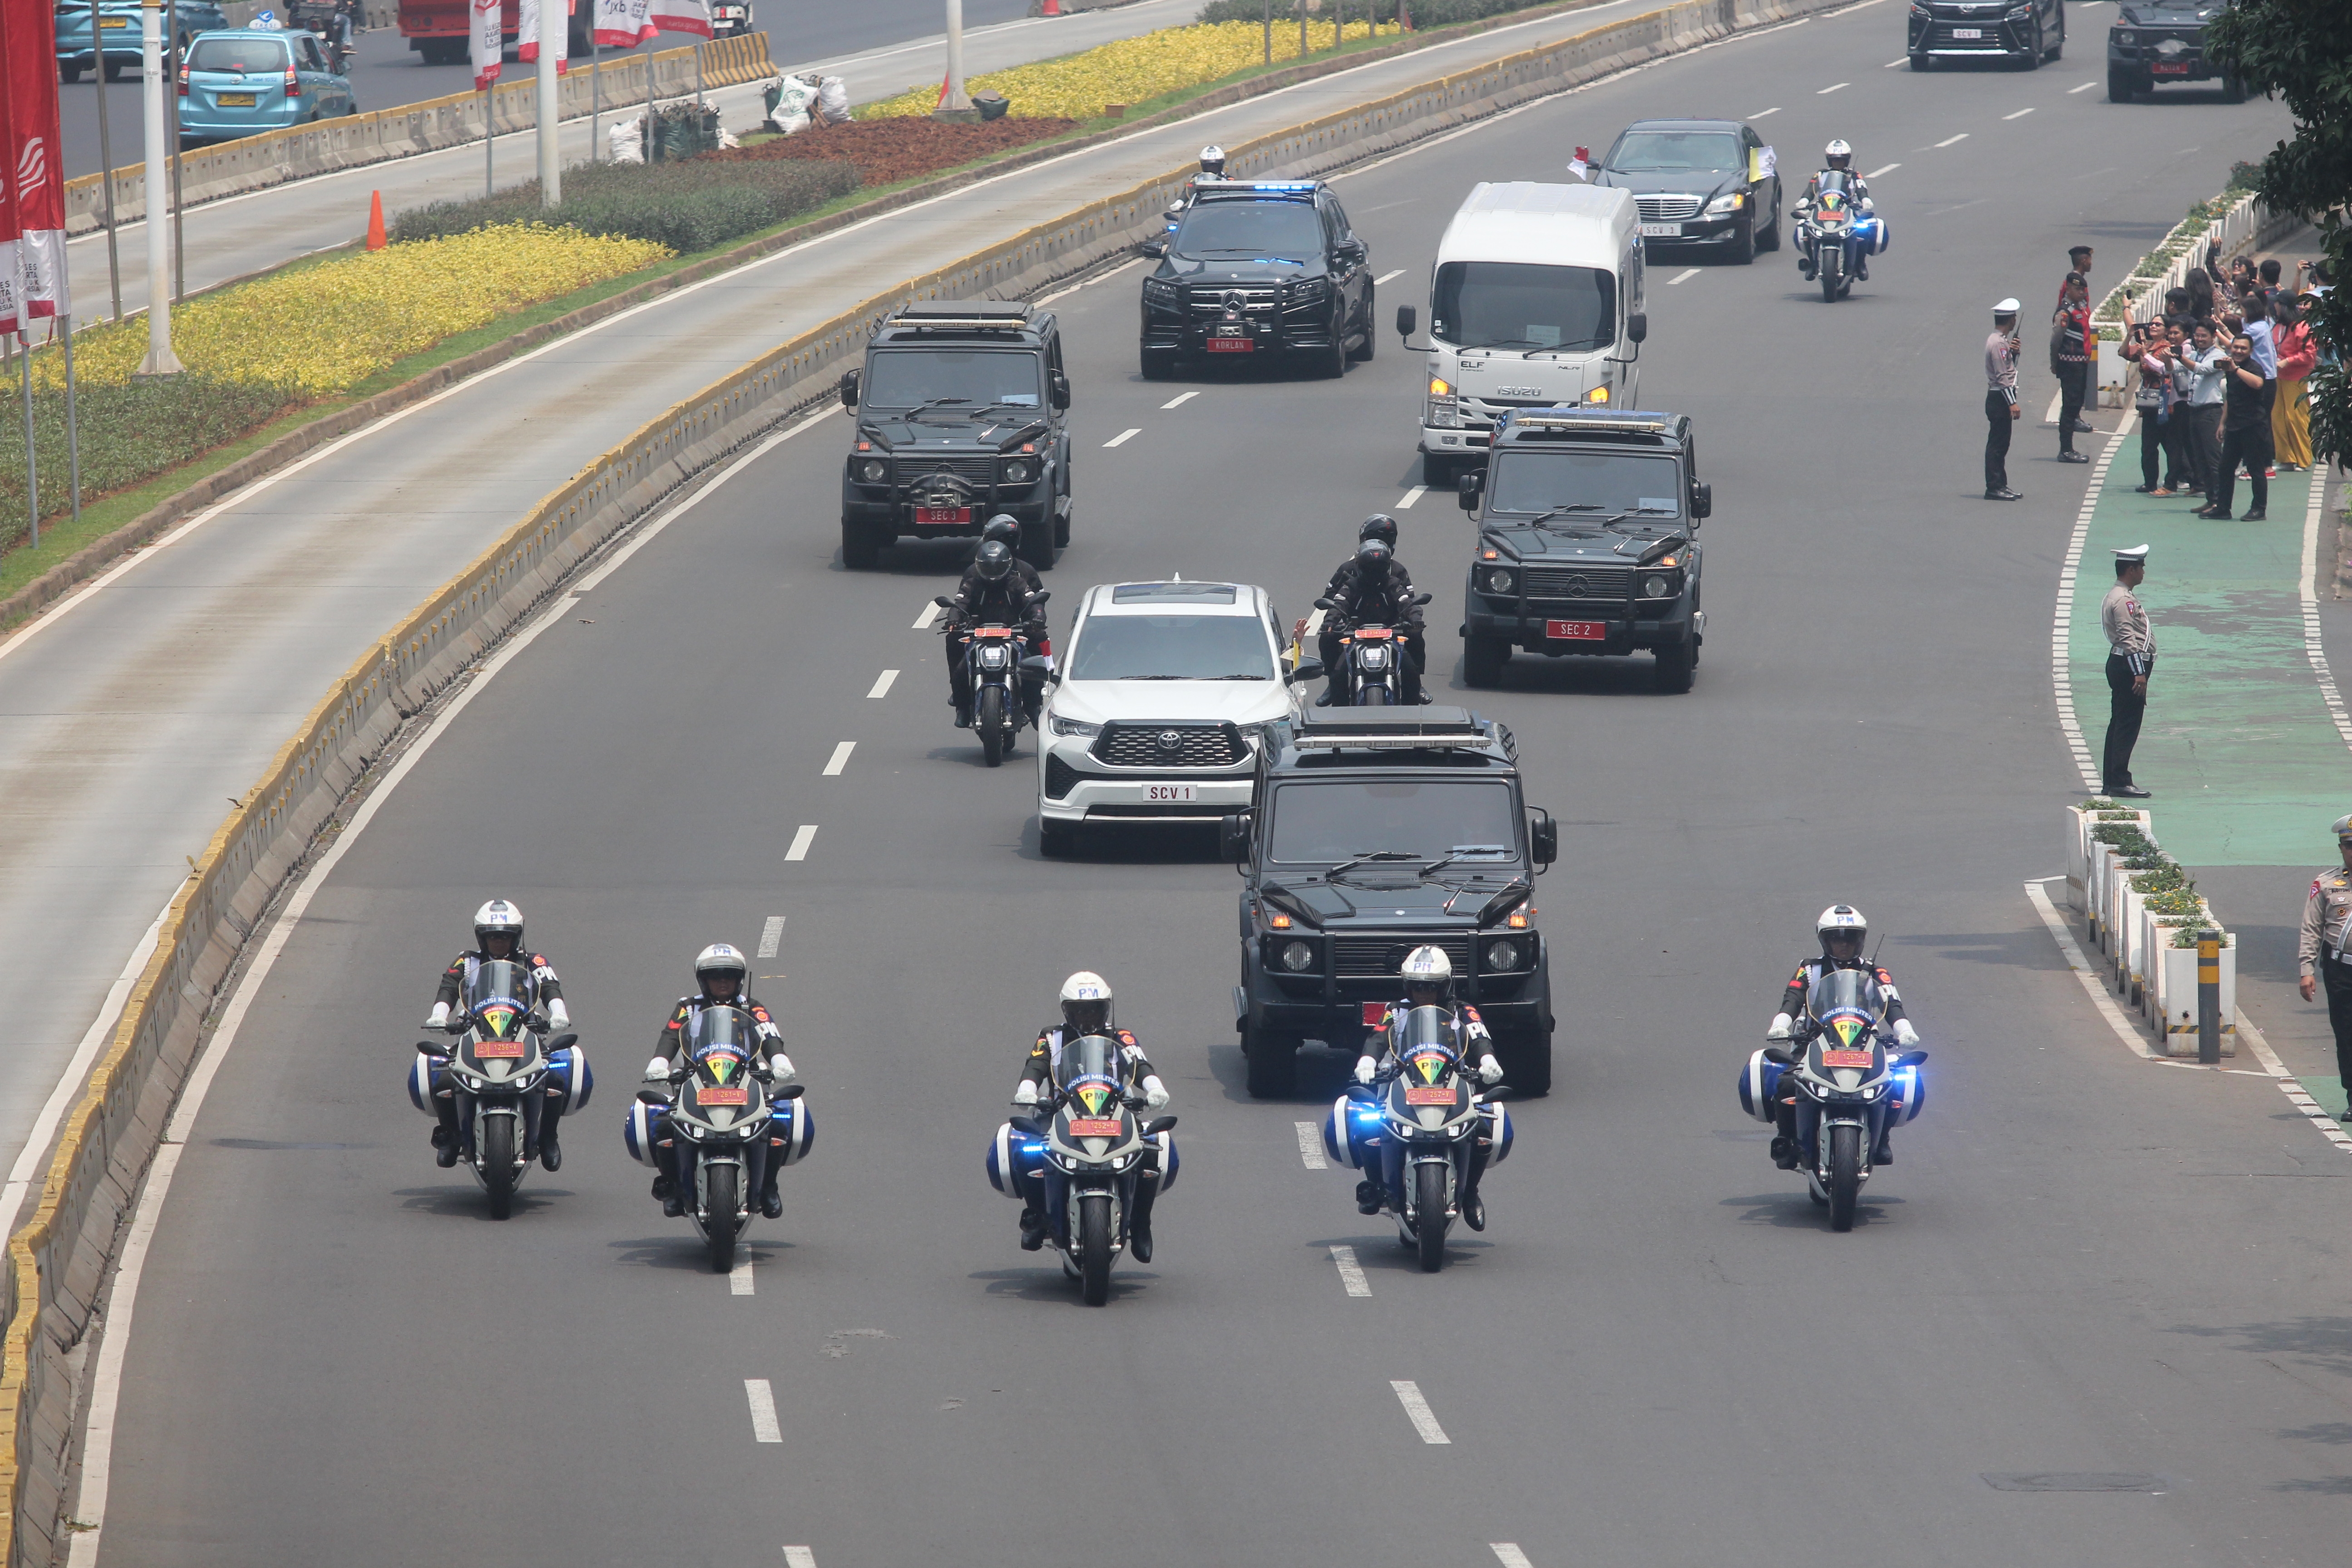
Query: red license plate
{"x": 2169, "y": 70}
{"x": 1096, "y": 1127}
{"x": 735, "y": 1096}
{"x": 1230, "y": 346}
{"x": 1373, "y": 1013}
{"x": 1432, "y": 1094}
{"x": 941, "y": 516}
{"x": 1845, "y": 1059}
{"x": 1576, "y": 631}
{"x": 511, "y": 1049}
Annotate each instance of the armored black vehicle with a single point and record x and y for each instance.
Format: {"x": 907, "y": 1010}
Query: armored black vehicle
{"x": 1372, "y": 832}
{"x": 1585, "y": 541}
{"x": 961, "y": 409}
{"x": 1257, "y": 269}
{"x": 2153, "y": 42}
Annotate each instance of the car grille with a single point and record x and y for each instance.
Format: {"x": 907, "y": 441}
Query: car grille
{"x": 1355, "y": 957}
{"x": 1171, "y": 746}
{"x": 1580, "y": 582}
{"x": 1667, "y": 209}
{"x": 978, "y": 471}
{"x": 1060, "y": 777}
{"x": 1257, "y": 298}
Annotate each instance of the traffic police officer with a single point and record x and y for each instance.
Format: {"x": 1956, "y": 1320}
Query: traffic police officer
{"x": 2327, "y": 913}
{"x": 2131, "y": 655}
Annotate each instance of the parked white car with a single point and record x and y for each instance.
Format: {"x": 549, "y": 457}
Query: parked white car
{"x": 1161, "y": 699}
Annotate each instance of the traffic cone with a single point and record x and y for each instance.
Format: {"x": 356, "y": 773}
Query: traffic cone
{"x": 1053, "y": 8}
{"x": 376, "y": 240}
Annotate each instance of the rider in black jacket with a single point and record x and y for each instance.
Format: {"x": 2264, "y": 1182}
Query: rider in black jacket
{"x": 992, "y": 592}
{"x": 1372, "y": 588}
{"x": 721, "y": 972}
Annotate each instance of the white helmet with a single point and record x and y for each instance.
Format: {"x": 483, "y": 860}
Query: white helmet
{"x": 1841, "y": 923}
{"x": 1839, "y": 154}
{"x": 1087, "y": 1002}
{"x": 718, "y": 959}
{"x": 1213, "y": 160}
{"x": 499, "y": 918}
{"x": 1428, "y": 965}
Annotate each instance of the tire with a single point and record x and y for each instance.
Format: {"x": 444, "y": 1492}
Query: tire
{"x": 1094, "y": 1241}
{"x": 860, "y": 550}
{"x": 1771, "y": 239}
{"x": 988, "y": 718}
{"x": 1331, "y": 363}
{"x": 1159, "y": 366}
{"x": 1062, "y": 527}
{"x": 1526, "y": 1056}
{"x": 1437, "y": 472}
{"x": 1923, "y": 62}
{"x": 1037, "y": 544}
{"x": 1372, "y": 341}
{"x": 1273, "y": 1063}
{"x": 1483, "y": 658}
{"x": 1743, "y": 251}
{"x": 1830, "y": 289}
{"x": 497, "y": 1161}
{"x": 1056, "y": 839}
{"x": 1845, "y": 1176}
{"x": 69, "y": 74}
{"x": 2121, "y": 86}
{"x": 2032, "y": 60}
{"x": 719, "y": 1220}
{"x": 114, "y": 69}
{"x": 1429, "y": 1210}
{"x": 1373, "y": 697}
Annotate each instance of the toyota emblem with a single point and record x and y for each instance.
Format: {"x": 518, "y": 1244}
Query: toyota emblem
{"x": 1170, "y": 741}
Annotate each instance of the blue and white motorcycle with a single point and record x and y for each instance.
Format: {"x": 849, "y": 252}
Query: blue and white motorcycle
{"x": 1837, "y": 233}
{"x": 721, "y": 1128}
{"x": 1850, "y": 1089}
{"x": 507, "y": 1080}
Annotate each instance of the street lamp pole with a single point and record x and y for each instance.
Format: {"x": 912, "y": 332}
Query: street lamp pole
{"x": 551, "y": 25}
{"x": 159, "y": 360}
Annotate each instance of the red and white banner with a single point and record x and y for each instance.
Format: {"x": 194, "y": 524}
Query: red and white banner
{"x": 484, "y": 41}
{"x": 527, "y": 38}
{"x": 622, "y": 24}
{"x": 31, "y": 166}
{"x": 680, "y": 16}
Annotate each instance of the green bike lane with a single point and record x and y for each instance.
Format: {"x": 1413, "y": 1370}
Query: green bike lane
{"x": 2245, "y": 746}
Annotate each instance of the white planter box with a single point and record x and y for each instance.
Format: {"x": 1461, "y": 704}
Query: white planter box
{"x": 2114, "y": 883}
{"x": 2179, "y": 991}
{"x": 2131, "y": 941}
{"x": 2156, "y": 938}
{"x": 2079, "y": 847}
{"x": 2094, "y": 881}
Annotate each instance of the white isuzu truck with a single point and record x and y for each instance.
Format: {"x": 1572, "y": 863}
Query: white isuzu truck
{"x": 1535, "y": 302}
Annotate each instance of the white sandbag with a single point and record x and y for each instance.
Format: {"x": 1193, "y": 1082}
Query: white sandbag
{"x": 787, "y": 124}
{"x": 833, "y": 101}
{"x": 625, "y": 142}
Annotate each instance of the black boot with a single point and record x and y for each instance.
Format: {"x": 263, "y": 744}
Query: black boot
{"x": 1862, "y": 269}
{"x": 1885, "y": 1153}
{"x": 772, "y": 1201}
{"x": 1474, "y": 1209}
{"x": 445, "y": 1146}
{"x": 551, "y": 1152}
{"x": 1139, "y": 1221}
{"x": 1368, "y": 1197}
{"x": 1033, "y": 1228}
{"x": 963, "y": 715}
{"x": 1331, "y": 697}
{"x": 1805, "y": 268}
{"x": 673, "y": 1205}
{"x": 1784, "y": 1152}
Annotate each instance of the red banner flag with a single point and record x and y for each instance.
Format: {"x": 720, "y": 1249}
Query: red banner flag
{"x": 31, "y": 163}
{"x": 680, "y": 16}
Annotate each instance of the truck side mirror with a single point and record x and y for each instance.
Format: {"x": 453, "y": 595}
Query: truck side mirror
{"x": 1469, "y": 488}
{"x": 849, "y": 389}
{"x": 1234, "y": 837}
{"x": 1156, "y": 246}
{"x": 1637, "y": 326}
{"x": 1407, "y": 320}
{"x": 1061, "y": 390}
{"x": 1701, "y": 500}
{"x": 1545, "y": 835}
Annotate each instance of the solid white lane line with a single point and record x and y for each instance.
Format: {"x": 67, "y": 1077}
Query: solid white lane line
{"x": 2021, "y": 113}
{"x": 1508, "y": 1553}
{"x": 1122, "y": 438}
{"x": 1893, "y": 63}
{"x": 1762, "y": 112}
{"x": 1405, "y": 502}
{"x": 882, "y": 681}
{"x": 1949, "y": 140}
{"x": 801, "y": 837}
{"x": 1351, "y": 1273}
{"x": 840, "y": 759}
{"x": 2061, "y": 618}
{"x": 1887, "y": 170}
{"x": 2095, "y": 988}
{"x": 923, "y": 622}
{"x": 2084, "y": 88}
{"x": 1178, "y": 401}
{"x": 799, "y": 1557}
{"x": 738, "y": 1283}
{"x": 764, "y": 1410}
{"x": 1827, "y": 90}
{"x": 771, "y": 936}
{"x": 1388, "y": 277}
{"x": 1686, "y": 272}
{"x": 1310, "y": 1147}
{"x": 1425, "y": 1420}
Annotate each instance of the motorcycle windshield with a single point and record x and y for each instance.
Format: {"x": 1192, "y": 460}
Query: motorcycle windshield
{"x": 499, "y": 996}
{"x": 720, "y": 1030}
{"x": 1847, "y": 1004}
{"x": 1092, "y": 1074}
{"x": 1427, "y": 1042}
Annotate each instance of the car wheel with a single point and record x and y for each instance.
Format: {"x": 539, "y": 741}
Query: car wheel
{"x": 1158, "y": 364}
{"x": 1483, "y": 657}
{"x": 1037, "y": 544}
{"x": 1743, "y": 250}
{"x": 2233, "y": 89}
{"x": 1677, "y": 666}
{"x": 861, "y": 545}
{"x": 114, "y": 69}
{"x": 2031, "y": 59}
{"x": 2122, "y": 88}
{"x": 1525, "y": 1058}
{"x": 69, "y": 74}
{"x": 1771, "y": 239}
{"x": 1437, "y": 472}
{"x": 1062, "y": 525}
{"x": 1331, "y": 363}
{"x": 1923, "y": 62}
{"x": 1273, "y": 1063}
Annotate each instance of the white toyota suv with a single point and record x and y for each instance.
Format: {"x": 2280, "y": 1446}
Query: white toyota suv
{"x": 1159, "y": 706}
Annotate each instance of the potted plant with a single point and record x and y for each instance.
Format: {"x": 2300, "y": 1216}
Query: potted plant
{"x": 2161, "y": 911}
{"x": 2180, "y": 991}
{"x": 2109, "y": 843}
{"x": 2145, "y": 877}
{"x": 2080, "y": 820}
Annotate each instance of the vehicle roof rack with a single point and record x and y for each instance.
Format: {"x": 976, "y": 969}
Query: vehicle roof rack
{"x": 1389, "y": 730}
{"x": 962, "y": 315}
{"x": 1573, "y": 421}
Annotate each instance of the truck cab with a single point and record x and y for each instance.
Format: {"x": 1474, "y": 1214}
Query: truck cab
{"x": 1587, "y": 541}
{"x": 1373, "y": 831}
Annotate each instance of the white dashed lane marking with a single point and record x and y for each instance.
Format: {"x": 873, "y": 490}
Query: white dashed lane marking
{"x": 1416, "y": 1409}
{"x": 1508, "y": 1553}
{"x": 771, "y": 936}
{"x": 738, "y": 1283}
{"x": 1310, "y": 1147}
{"x": 1686, "y": 272}
{"x": 799, "y": 1557}
{"x": 2020, "y": 114}
{"x": 801, "y": 839}
{"x": 1388, "y": 277}
{"x": 1178, "y": 401}
{"x": 1893, "y": 63}
{"x": 1947, "y": 141}
{"x": 1405, "y": 502}
{"x": 764, "y": 1410}
{"x": 1351, "y": 1273}
{"x": 1825, "y": 92}
{"x": 1762, "y": 112}
{"x": 923, "y": 622}
{"x": 882, "y": 681}
{"x": 1122, "y": 438}
{"x": 1887, "y": 170}
{"x": 840, "y": 759}
{"x": 2084, "y": 88}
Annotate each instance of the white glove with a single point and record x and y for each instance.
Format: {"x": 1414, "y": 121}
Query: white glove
{"x": 1365, "y": 1068}
{"x": 1155, "y": 1093}
{"x": 1489, "y": 1070}
{"x": 1905, "y": 1035}
{"x": 439, "y": 1017}
{"x": 1780, "y": 1030}
{"x": 657, "y": 1071}
{"x": 558, "y": 1014}
{"x": 1026, "y": 1094}
{"x": 780, "y": 1068}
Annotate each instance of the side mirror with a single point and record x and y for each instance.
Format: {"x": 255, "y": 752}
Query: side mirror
{"x": 1910, "y": 1059}
{"x": 790, "y": 1091}
{"x": 1363, "y": 1094}
{"x": 1307, "y": 669}
{"x": 1040, "y": 597}
{"x": 1028, "y": 1125}
{"x": 652, "y": 1097}
{"x": 1544, "y": 835}
{"x": 563, "y": 1042}
{"x": 1156, "y": 246}
{"x": 1778, "y": 1058}
{"x": 1468, "y": 489}
{"x": 1500, "y": 1091}
{"x": 1061, "y": 390}
{"x": 849, "y": 388}
{"x": 1701, "y": 500}
{"x": 1408, "y": 318}
{"x": 1158, "y": 1125}
{"x": 1422, "y": 598}
{"x": 1324, "y": 605}
{"x": 1350, "y": 250}
{"x": 1234, "y": 836}
{"x": 430, "y": 1048}
{"x": 944, "y": 602}
{"x": 1637, "y": 326}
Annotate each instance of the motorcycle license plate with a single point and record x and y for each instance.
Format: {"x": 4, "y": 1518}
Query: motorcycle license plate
{"x": 1662, "y": 231}
{"x": 1845, "y": 1059}
{"x": 2169, "y": 71}
{"x": 737, "y": 1095}
{"x": 489, "y": 1050}
{"x": 1430, "y": 1094}
{"x": 1095, "y": 1127}
{"x": 1373, "y": 1013}
{"x": 1223, "y": 345}
{"x": 941, "y": 516}
{"x": 1968, "y": 32}
{"x": 1576, "y": 631}
{"x": 1171, "y": 792}
{"x": 235, "y": 100}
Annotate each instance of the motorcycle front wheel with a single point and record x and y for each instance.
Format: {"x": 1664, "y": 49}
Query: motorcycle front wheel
{"x": 990, "y": 722}
{"x": 497, "y": 1155}
{"x": 1845, "y": 1176}
{"x": 1429, "y": 1216}
{"x": 1373, "y": 697}
{"x": 719, "y": 1218}
{"x": 1093, "y": 1247}
{"x": 1828, "y": 286}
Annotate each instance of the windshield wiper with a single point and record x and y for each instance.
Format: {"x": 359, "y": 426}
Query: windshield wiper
{"x": 1365, "y": 857}
{"x": 1461, "y": 850}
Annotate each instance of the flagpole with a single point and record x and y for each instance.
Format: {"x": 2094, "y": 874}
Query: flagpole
{"x": 105, "y": 160}
{"x": 73, "y": 430}
{"x": 32, "y": 471}
{"x": 159, "y": 360}
{"x": 179, "y": 235}
{"x": 551, "y": 25}
{"x": 596, "y": 91}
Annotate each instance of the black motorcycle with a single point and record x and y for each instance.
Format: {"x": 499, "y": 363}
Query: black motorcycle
{"x": 995, "y": 656}
{"x": 1089, "y": 1146}
{"x": 722, "y": 1121}
{"x": 1372, "y": 657}
{"x": 1417, "y": 1129}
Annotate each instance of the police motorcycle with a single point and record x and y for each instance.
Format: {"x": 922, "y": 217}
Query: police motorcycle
{"x": 1086, "y": 1145}
{"x": 1837, "y": 233}
{"x": 722, "y": 1123}
{"x": 1415, "y": 1128}
{"x": 1372, "y": 660}
{"x": 1849, "y": 1087}
{"x": 507, "y": 1077}
{"x": 994, "y": 656}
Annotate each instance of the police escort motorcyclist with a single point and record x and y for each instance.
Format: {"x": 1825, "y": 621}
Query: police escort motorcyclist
{"x": 1428, "y": 980}
{"x": 1841, "y": 930}
{"x": 498, "y": 938}
{"x": 993, "y": 593}
{"x": 1837, "y": 158}
{"x": 721, "y": 978}
{"x": 1087, "y": 1009}
{"x": 1372, "y": 586}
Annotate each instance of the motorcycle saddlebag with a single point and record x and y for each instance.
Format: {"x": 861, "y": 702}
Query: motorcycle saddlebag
{"x": 567, "y": 1069}
{"x": 1013, "y": 1161}
{"x": 642, "y": 1131}
{"x": 1757, "y": 1080}
{"x": 791, "y": 1130}
{"x": 1169, "y": 1161}
{"x": 1352, "y": 1135}
{"x": 425, "y": 1076}
{"x": 1499, "y": 1133}
{"x": 1910, "y": 1095}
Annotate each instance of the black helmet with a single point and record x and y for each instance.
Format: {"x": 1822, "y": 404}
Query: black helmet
{"x": 1004, "y": 526}
{"x": 995, "y": 561}
{"x": 1371, "y": 560}
{"x": 1380, "y": 526}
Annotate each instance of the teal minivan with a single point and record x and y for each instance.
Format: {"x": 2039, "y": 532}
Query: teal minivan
{"x": 242, "y": 80}
{"x": 118, "y": 26}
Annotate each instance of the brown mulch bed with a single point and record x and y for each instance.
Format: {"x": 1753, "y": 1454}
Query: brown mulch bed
{"x": 885, "y": 152}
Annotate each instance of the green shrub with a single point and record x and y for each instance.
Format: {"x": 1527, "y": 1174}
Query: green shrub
{"x": 688, "y": 206}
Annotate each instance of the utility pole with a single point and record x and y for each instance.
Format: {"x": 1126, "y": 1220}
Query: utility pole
{"x": 552, "y": 22}
{"x": 159, "y": 360}
{"x": 955, "y": 103}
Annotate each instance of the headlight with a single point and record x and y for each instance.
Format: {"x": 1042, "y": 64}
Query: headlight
{"x": 1597, "y": 395}
{"x": 1297, "y": 957}
{"x": 1725, "y": 204}
{"x": 1160, "y": 291}
{"x": 2020, "y": 14}
{"x": 1656, "y": 587}
{"x": 2126, "y": 36}
{"x": 1503, "y": 955}
{"x": 1495, "y": 580}
{"x": 1307, "y": 289}
{"x": 1074, "y": 726}
{"x": 873, "y": 470}
{"x": 1018, "y": 472}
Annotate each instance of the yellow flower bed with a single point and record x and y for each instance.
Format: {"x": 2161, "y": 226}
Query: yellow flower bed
{"x": 1129, "y": 71}
{"x": 326, "y": 328}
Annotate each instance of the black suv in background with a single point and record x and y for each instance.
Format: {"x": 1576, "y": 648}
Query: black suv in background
{"x": 960, "y": 411}
{"x": 1698, "y": 183}
{"x": 1256, "y": 268}
{"x": 2156, "y": 41}
{"x": 2023, "y": 32}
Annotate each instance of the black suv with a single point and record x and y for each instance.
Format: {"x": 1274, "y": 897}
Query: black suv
{"x": 1374, "y": 831}
{"x": 2023, "y": 32}
{"x": 1703, "y": 183}
{"x": 1586, "y": 542}
{"x": 1255, "y": 267}
{"x": 960, "y": 416}
{"x": 2156, "y": 41}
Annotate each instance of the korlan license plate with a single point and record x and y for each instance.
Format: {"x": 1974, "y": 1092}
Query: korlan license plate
{"x": 1662, "y": 231}
{"x": 487, "y": 1050}
{"x": 1576, "y": 631}
{"x": 1431, "y": 1094}
{"x": 2169, "y": 71}
{"x": 1845, "y": 1059}
{"x": 236, "y": 100}
{"x": 1230, "y": 346}
{"x": 941, "y": 516}
{"x": 1095, "y": 1127}
{"x": 1171, "y": 792}
{"x": 1968, "y": 32}
{"x": 735, "y": 1096}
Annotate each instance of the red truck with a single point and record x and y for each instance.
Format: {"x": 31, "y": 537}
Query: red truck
{"x": 437, "y": 28}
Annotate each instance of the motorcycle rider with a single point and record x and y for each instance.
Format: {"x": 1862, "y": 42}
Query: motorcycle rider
{"x": 1841, "y": 930}
{"x": 1004, "y": 526}
{"x": 992, "y": 592}
{"x": 1372, "y": 587}
{"x": 1836, "y": 158}
{"x": 1428, "y": 977}
{"x": 498, "y": 937}
{"x": 720, "y": 971}
{"x": 1086, "y": 1010}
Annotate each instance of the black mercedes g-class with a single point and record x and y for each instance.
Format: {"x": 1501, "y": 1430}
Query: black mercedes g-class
{"x": 1585, "y": 543}
{"x": 959, "y": 412}
{"x": 1266, "y": 267}
{"x": 2156, "y": 41}
{"x": 1374, "y": 831}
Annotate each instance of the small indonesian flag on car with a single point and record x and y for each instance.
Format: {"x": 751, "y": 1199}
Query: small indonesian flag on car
{"x": 1581, "y": 164}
